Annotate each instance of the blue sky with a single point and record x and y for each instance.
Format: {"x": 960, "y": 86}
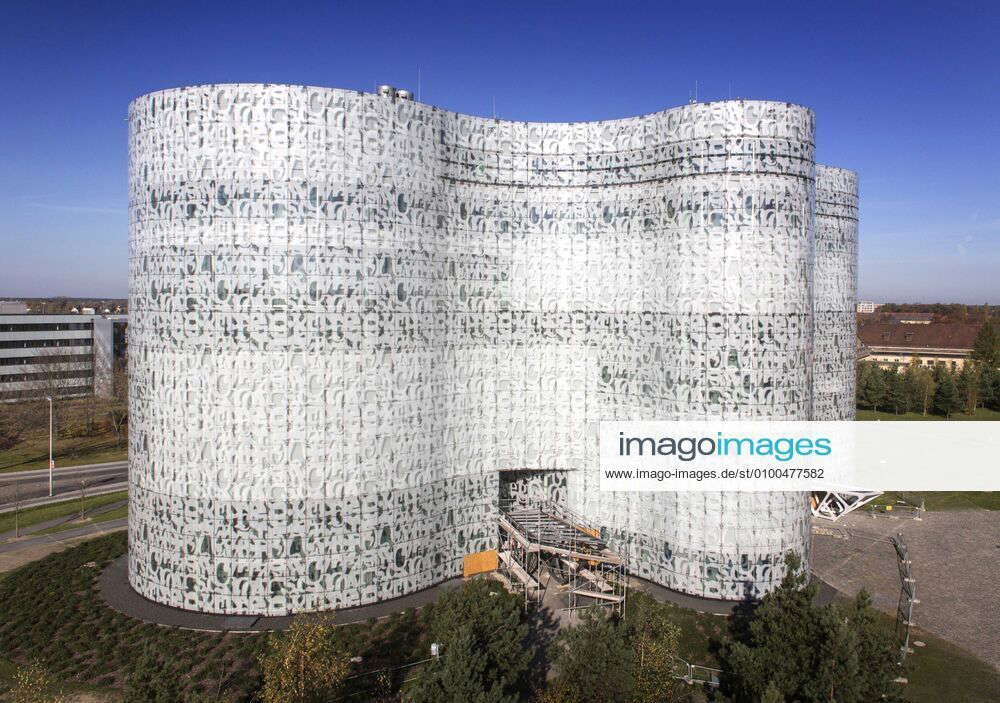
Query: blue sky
{"x": 907, "y": 95}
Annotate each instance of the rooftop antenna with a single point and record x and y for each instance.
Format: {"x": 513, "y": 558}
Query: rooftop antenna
{"x": 696, "y": 91}
{"x": 730, "y": 90}
{"x": 494, "y": 107}
{"x": 418, "y": 83}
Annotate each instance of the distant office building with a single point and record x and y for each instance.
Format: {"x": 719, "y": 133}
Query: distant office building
{"x": 57, "y": 355}
{"x": 866, "y": 306}
{"x": 12, "y": 307}
{"x": 894, "y": 345}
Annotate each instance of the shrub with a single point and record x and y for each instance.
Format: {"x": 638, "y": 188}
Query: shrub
{"x": 302, "y": 664}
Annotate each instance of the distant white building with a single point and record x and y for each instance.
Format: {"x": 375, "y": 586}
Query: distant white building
{"x": 12, "y": 307}
{"x": 56, "y": 355}
{"x": 866, "y": 306}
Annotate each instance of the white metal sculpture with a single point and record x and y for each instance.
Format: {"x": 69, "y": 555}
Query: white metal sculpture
{"x": 351, "y": 312}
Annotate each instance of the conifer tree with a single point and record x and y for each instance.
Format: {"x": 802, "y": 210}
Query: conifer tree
{"x": 986, "y": 347}
{"x": 946, "y": 400}
{"x": 789, "y": 649}
{"x": 484, "y": 635}
{"x": 594, "y": 663}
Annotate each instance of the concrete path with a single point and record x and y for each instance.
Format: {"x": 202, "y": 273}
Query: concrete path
{"x": 119, "y": 595}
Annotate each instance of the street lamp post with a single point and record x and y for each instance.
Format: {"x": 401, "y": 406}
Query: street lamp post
{"x": 51, "y": 463}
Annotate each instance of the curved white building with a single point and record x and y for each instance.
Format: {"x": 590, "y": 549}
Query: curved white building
{"x": 835, "y": 293}
{"x": 357, "y": 320}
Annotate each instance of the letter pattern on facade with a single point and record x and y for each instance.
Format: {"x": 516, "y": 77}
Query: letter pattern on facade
{"x": 350, "y": 313}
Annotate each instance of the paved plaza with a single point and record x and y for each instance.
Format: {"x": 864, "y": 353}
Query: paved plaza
{"x": 956, "y": 564}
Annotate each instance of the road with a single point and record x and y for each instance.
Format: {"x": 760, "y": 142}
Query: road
{"x": 33, "y": 486}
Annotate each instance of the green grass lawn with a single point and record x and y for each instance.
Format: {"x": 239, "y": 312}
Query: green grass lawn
{"x": 981, "y": 414}
{"x": 41, "y": 513}
{"x": 939, "y": 671}
{"x": 74, "y": 451}
{"x": 946, "y": 500}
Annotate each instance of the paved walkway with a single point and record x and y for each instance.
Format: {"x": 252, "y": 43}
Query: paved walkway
{"x": 712, "y": 606}
{"x": 119, "y": 595}
{"x": 956, "y": 564}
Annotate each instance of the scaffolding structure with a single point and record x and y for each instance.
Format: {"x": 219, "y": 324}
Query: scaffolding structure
{"x": 544, "y": 544}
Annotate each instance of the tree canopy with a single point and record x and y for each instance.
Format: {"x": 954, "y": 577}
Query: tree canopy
{"x": 789, "y": 649}
{"x": 608, "y": 659}
{"x": 486, "y": 653}
{"x": 986, "y": 347}
{"x": 594, "y": 661}
{"x": 303, "y": 664}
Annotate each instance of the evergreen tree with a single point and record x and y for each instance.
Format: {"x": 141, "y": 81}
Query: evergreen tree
{"x": 986, "y": 347}
{"x": 594, "y": 662}
{"x": 989, "y": 388}
{"x": 788, "y": 649}
{"x": 484, "y": 633}
{"x": 772, "y": 695}
{"x": 995, "y": 392}
{"x": 873, "y": 387}
{"x": 876, "y": 653}
{"x": 459, "y": 675}
{"x": 946, "y": 400}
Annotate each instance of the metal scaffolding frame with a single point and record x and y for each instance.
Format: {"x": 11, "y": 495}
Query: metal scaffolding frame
{"x": 544, "y": 542}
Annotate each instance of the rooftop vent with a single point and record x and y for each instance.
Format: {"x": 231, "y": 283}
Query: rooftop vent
{"x": 386, "y": 91}
{"x": 404, "y": 95}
